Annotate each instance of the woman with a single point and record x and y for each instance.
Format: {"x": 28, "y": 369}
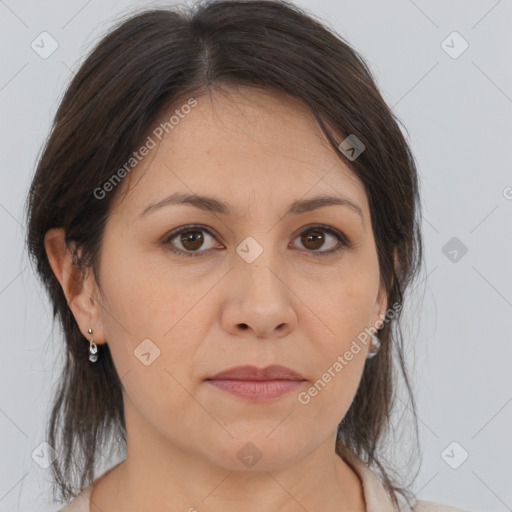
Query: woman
{"x": 226, "y": 217}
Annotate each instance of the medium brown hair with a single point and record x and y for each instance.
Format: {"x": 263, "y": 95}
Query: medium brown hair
{"x": 139, "y": 69}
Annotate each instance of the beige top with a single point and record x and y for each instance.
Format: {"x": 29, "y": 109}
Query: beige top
{"x": 375, "y": 495}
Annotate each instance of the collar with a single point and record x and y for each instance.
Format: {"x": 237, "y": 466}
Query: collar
{"x": 375, "y": 495}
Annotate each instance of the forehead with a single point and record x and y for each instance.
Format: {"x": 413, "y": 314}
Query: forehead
{"x": 243, "y": 145}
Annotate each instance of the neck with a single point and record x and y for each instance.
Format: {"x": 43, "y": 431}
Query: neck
{"x": 158, "y": 475}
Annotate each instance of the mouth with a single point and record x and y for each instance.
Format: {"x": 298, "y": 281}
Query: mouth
{"x": 257, "y": 384}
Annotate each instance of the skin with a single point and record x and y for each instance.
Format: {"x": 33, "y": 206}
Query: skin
{"x": 259, "y": 151}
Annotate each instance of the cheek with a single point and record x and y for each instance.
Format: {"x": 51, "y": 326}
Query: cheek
{"x": 149, "y": 312}
{"x": 153, "y": 395}
{"x": 339, "y": 341}
{"x": 339, "y": 367}
{"x": 345, "y": 305}
{"x": 137, "y": 298}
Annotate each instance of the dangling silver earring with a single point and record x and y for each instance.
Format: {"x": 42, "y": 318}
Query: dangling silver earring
{"x": 93, "y": 348}
{"x": 376, "y": 343}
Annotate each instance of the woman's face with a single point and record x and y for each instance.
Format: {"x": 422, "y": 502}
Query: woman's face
{"x": 256, "y": 284}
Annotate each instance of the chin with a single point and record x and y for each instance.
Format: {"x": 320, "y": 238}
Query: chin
{"x": 258, "y": 452}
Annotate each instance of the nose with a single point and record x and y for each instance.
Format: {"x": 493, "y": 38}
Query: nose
{"x": 258, "y": 304}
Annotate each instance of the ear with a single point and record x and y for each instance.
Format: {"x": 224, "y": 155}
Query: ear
{"x": 381, "y": 304}
{"x": 78, "y": 285}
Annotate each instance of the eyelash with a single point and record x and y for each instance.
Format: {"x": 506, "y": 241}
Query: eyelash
{"x": 344, "y": 242}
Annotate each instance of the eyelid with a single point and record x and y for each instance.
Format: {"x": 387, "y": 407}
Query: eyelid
{"x": 343, "y": 241}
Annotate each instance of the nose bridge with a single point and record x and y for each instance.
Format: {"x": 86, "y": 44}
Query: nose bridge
{"x": 256, "y": 266}
{"x": 259, "y": 298}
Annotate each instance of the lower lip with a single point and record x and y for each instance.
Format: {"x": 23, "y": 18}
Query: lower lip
{"x": 257, "y": 390}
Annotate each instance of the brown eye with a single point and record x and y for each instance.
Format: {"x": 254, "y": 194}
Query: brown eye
{"x": 315, "y": 238}
{"x": 189, "y": 240}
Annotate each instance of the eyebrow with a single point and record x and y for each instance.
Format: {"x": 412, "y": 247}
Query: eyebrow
{"x": 211, "y": 204}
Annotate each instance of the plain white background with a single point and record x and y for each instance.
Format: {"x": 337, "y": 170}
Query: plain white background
{"x": 457, "y": 108}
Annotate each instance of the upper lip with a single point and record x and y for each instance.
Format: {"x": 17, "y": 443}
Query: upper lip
{"x": 273, "y": 372}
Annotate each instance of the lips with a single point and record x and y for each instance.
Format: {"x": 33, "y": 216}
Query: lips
{"x": 247, "y": 373}
{"x": 257, "y": 384}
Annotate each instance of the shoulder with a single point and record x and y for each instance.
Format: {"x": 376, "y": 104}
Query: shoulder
{"x": 430, "y": 506}
{"x": 80, "y": 503}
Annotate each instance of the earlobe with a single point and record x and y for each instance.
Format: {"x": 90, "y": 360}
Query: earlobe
{"x": 73, "y": 282}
